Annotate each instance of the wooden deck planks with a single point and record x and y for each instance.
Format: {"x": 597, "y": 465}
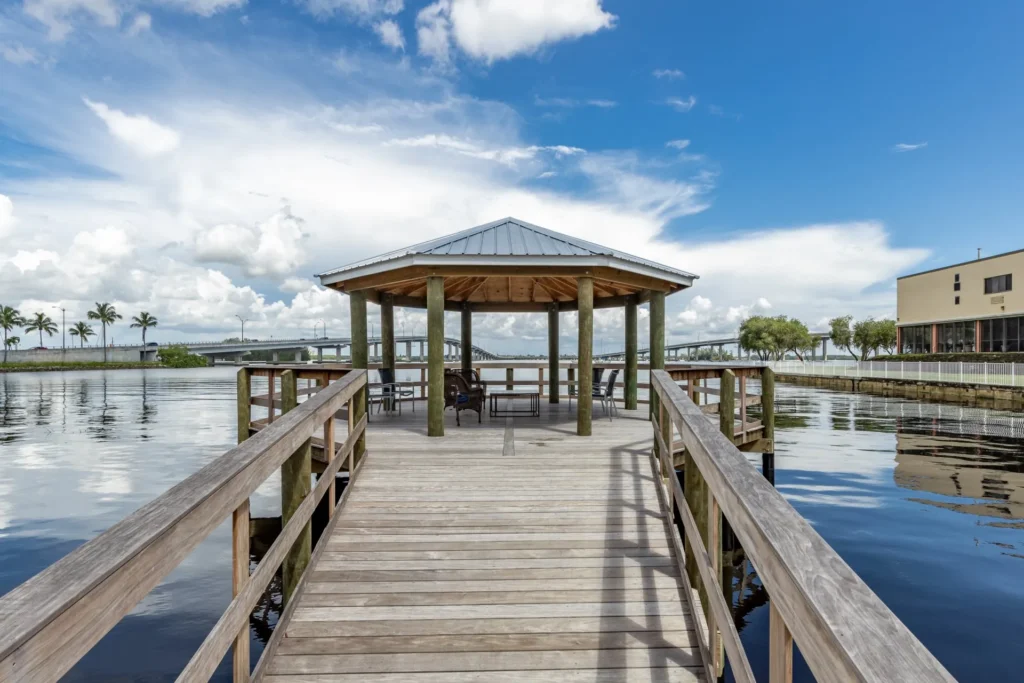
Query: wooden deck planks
{"x": 467, "y": 558}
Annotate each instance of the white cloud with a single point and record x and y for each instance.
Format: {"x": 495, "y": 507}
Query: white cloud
{"x": 356, "y": 8}
{"x": 19, "y": 54}
{"x": 141, "y": 133}
{"x": 679, "y": 104}
{"x": 505, "y": 155}
{"x": 670, "y": 74}
{"x": 678, "y": 144}
{"x": 56, "y": 15}
{"x": 547, "y": 174}
{"x": 390, "y": 34}
{"x": 204, "y": 8}
{"x": 294, "y": 285}
{"x": 603, "y": 104}
{"x": 141, "y": 22}
{"x": 904, "y": 147}
{"x": 568, "y": 102}
{"x": 6, "y": 215}
{"x": 272, "y": 248}
{"x": 490, "y": 30}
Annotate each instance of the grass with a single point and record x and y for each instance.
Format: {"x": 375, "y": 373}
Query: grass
{"x": 73, "y": 365}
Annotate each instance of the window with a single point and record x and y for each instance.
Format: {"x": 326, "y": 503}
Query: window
{"x": 956, "y": 337}
{"x": 956, "y": 300}
{"x": 1002, "y": 335}
{"x": 999, "y": 283}
{"x": 956, "y": 286}
{"x": 956, "y": 277}
{"x": 917, "y": 339}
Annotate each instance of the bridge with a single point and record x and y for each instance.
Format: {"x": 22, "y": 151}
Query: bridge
{"x": 687, "y": 350}
{"x": 235, "y": 350}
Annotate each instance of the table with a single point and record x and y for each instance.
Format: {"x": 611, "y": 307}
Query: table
{"x": 511, "y": 395}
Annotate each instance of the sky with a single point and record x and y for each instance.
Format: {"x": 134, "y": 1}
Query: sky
{"x": 202, "y": 160}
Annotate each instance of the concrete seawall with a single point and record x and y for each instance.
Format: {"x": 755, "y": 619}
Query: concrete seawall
{"x": 115, "y": 354}
{"x": 971, "y": 394}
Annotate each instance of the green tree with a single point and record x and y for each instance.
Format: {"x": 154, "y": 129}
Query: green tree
{"x": 886, "y": 331}
{"x": 11, "y": 341}
{"x": 773, "y": 338}
{"x": 40, "y": 323}
{"x": 866, "y": 338}
{"x": 841, "y": 334}
{"x": 9, "y": 319}
{"x": 106, "y": 314}
{"x": 793, "y": 336}
{"x": 757, "y": 335}
{"x": 179, "y": 357}
{"x": 83, "y": 331}
{"x": 145, "y": 321}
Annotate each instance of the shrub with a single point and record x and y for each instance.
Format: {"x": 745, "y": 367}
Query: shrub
{"x": 179, "y": 357}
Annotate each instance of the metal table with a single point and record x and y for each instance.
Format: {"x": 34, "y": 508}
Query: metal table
{"x": 510, "y": 396}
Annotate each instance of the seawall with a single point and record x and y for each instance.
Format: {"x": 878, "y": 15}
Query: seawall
{"x": 971, "y": 394}
{"x": 93, "y": 354}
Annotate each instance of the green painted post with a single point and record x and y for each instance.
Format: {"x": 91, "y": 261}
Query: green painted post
{"x": 435, "y": 356}
{"x": 584, "y": 411}
{"x": 359, "y": 356}
{"x": 510, "y": 376}
{"x": 295, "y": 486}
{"x": 768, "y": 408}
{"x": 631, "y": 351}
{"x": 245, "y": 403}
{"x": 553, "y": 353}
{"x": 656, "y": 347}
{"x": 387, "y": 331}
{"x": 467, "y": 339}
{"x": 727, "y": 405}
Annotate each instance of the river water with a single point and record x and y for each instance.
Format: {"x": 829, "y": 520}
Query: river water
{"x": 924, "y": 501}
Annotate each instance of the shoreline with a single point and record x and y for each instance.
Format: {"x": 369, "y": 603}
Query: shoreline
{"x": 59, "y": 367}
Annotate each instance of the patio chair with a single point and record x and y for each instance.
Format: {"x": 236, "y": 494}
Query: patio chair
{"x": 472, "y": 377}
{"x": 595, "y": 383}
{"x": 606, "y": 395}
{"x": 460, "y": 395}
{"x": 391, "y": 392}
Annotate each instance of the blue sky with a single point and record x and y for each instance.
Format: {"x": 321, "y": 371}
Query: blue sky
{"x": 203, "y": 158}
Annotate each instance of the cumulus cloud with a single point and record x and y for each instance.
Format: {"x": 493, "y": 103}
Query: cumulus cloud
{"x": 141, "y": 133}
{"x": 490, "y": 30}
{"x": 390, "y": 34}
{"x": 6, "y": 215}
{"x": 273, "y": 248}
{"x": 679, "y": 104}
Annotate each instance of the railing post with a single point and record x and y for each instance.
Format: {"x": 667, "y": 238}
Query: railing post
{"x": 509, "y": 376}
{"x": 714, "y": 546}
{"x": 240, "y": 535}
{"x": 727, "y": 405}
{"x": 295, "y": 486}
{"x": 768, "y": 409}
{"x": 668, "y": 469}
{"x": 780, "y": 648}
{"x": 329, "y": 454}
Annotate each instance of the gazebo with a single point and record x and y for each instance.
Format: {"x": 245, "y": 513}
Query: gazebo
{"x": 508, "y": 266}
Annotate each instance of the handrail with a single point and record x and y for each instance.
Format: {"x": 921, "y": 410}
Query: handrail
{"x": 844, "y": 631}
{"x": 49, "y": 622}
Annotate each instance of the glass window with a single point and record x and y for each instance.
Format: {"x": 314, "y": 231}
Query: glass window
{"x": 986, "y": 335}
{"x": 999, "y": 283}
{"x": 998, "y": 338}
{"x": 956, "y": 301}
{"x": 956, "y": 277}
{"x": 1012, "y": 334}
{"x": 956, "y": 286}
{"x": 969, "y": 336}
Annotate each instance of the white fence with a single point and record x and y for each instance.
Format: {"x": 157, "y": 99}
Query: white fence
{"x": 995, "y": 374}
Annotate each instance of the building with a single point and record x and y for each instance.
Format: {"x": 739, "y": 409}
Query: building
{"x": 970, "y": 306}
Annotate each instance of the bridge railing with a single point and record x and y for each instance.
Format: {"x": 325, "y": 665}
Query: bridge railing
{"x": 49, "y": 622}
{"x": 843, "y": 630}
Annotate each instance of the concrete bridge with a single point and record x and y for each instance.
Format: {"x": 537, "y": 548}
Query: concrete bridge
{"x": 686, "y": 350}
{"x": 408, "y": 347}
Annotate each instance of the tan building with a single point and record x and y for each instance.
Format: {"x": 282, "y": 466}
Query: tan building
{"x": 971, "y": 306}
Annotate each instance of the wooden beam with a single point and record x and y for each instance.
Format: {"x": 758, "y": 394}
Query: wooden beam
{"x": 387, "y": 331}
{"x": 631, "y": 353}
{"x": 435, "y": 356}
{"x": 295, "y": 486}
{"x": 552, "y": 353}
{"x": 467, "y": 340}
{"x": 585, "y": 401}
{"x": 656, "y": 353}
{"x": 359, "y": 353}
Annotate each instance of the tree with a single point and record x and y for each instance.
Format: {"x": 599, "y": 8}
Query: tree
{"x": 886, "y": 331}
{"x": 145, "y": 321}
{"x": 756, "y": 335}
{"x": 11, "y": 341}
{"x": 865, "y": 337}
{"x": 793, "y": 336}
{"x": 41, "y": 323}
{"x": 9, "y": 319}
{"x": 774, "y": 337}
{"x": 841, "y": 334}
{"x": 83, "y": 331}
{"x": 106, "y": 314}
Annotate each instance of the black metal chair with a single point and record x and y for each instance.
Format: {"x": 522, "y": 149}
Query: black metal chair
{"x": 391, "y": 393}
{"x": 595, "y": 384}
{"x": 606, "y": 395}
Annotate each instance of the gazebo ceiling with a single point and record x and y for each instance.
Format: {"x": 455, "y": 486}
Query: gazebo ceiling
{"x": 507, "y": 265}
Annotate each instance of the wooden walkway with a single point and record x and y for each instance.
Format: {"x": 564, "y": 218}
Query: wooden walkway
{"x": 502, "y": 553}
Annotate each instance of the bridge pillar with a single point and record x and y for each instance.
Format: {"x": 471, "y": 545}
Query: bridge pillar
{"x": 319, "y": 354}
{"x": 421, "y": 351}
{"x": 824, "y": 348}
{"x": 467, "y": 339}
{"x": 337, "y": 353}
{"x": 553, "y": 353}
{"x": 631, "y": 348}
{"x": 408, "y": 351}
{"x": 277, "y": 356}
{"x": 585, "y": 401}
{"x": 435, "y": 349}
{"x": 387, "y": 331}
{"x": 298, "y": 355}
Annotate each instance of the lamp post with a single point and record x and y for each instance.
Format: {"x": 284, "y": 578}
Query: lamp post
{"x": 324, "y": 323}
{"x": 244, "y": 320}
{"x": 63, "y": 350}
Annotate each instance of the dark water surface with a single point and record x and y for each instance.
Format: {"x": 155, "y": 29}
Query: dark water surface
{"x": 924, "y": 501}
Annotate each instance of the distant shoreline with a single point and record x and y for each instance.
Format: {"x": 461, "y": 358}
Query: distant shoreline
{"x": 98, "y": 365}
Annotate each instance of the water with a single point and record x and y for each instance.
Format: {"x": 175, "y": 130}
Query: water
{"x": 924, "y": 501}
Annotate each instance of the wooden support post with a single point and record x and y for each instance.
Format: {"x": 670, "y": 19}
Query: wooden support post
{"x": 657, "y": 345}
{"x": 631, "y": 349}
{"x": 329, "y": 456}
{"x": 423, "y": 382}
{"x": 435, "y": 355}
{"x": 780, "y": 649}
{"x": 585, "y": 399}
{"x": 768, "y": 408}
{"x": 359, "y": 355}
{"x": 553, "y": 353}
{"x": 570, "y": 377}
{"x": 240, "y": 534}
{"x": 387, "y": 331}
{"x": 509, "y": 378}
{"x": 668, "y": 470}
{"x": 743, "y": 404}
{"x": 727, "y": 405}
{"x": 295, "y": 485}
{"x": 714, "y": 546}
{"x": 467, "y": 340}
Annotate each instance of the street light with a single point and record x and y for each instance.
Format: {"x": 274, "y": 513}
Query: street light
{"x": 62, "y": 337}
{"x": 322, "y": 322}
{"x": 244, "y": 320}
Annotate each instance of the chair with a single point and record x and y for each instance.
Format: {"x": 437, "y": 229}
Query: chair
{"x": 472, "y": 377}
{"x": 597, "y": 373}
{"x": 460, "y": 395}
{"x": 607, "y": 395}
{"x": 391, "y": 392}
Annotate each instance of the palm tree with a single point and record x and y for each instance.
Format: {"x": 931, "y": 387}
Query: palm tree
{"x": 106, "y": 314}
{"x": 41, "y": 323}
{"x": 9, "y": 319}
{"x": 145, "y": 321}
{"x": 83, "y": 331}
{"x": 11, "y": 341}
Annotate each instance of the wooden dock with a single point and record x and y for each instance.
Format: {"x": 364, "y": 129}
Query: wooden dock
{"x": 450, "y": 561}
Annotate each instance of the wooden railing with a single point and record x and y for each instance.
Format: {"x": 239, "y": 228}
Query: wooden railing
{"x": 48, "y": 623}
{"x": 843, "y": 630}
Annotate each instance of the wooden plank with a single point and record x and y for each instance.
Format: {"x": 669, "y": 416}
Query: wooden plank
{"x": 390, "y": 565}
{"x": 780, "y": 649}
{"x": 537, "y": 553}
{"x": 656, "y": 582}
{"x": 652, "y": 675}
{"x": 534, "y": 597}
{"x": 484, "y": 574}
